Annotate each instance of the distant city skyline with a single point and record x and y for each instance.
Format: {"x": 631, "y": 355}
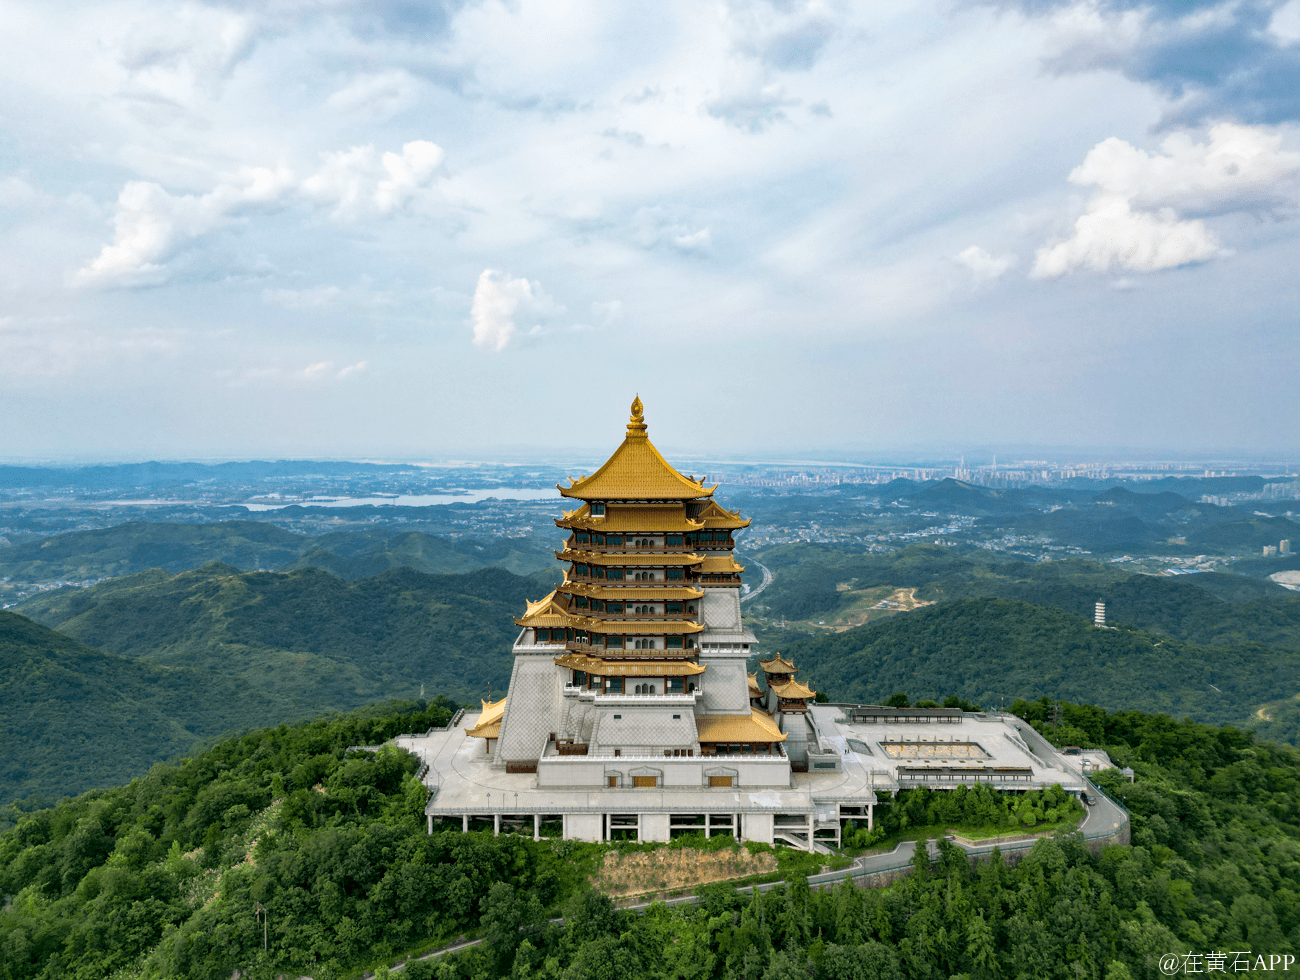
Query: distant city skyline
{"x": 236, "y": 230}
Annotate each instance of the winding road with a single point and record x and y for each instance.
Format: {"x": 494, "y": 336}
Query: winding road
{"x": 767, "y": 579}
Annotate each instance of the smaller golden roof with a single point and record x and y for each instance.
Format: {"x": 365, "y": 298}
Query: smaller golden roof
{"x": 637, "y": 592}
{"x": 629, "y": 668}
{"x": 550, "y": 612}
{"x": 636, "y": 471}
{"x": 753, "y": 727}
{"x": 754, "y": 690}
{"x": 721, "y": 565}
{"x": 489, "y": 721}
{"x": 778, "y": 665}
{"x": 791, "y": 690}
{"x": 638, "y": 559}
{"x": 714, "y": 516}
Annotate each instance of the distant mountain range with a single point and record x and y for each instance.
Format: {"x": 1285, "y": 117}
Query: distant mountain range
{"x": 127, "y": 549}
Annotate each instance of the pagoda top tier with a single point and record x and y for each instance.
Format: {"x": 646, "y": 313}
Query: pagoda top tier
{"x": 636, "y": 471}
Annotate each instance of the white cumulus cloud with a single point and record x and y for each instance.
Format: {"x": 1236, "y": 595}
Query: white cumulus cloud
{"x": 984, "y": 265}
{"x": 151, "y": 223}
{"x": 352, "y": 370}
{"x": 1146, "y": 214}
{"x": 1113, "y": 236}
{"x": 498, "y": 301}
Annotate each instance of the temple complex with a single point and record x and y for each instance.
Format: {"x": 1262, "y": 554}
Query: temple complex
{"x": 631, "y": 710}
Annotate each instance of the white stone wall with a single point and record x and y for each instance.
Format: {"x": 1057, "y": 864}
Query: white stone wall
{"x": 756, "y": 827}
{"x": 654, "y": 827}
{"x": 638, "y": 730}
{"x": 576, "y": 772}
{"x": 720, "y": 609}
{"x": 583, "y": 826}
{"x": 535, "y": 708}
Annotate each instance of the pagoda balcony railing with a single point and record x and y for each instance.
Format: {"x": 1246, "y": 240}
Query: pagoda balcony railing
{"x": 778, "y": 757}
{"x": 634, "y": 583}
{"x": 613, "y": 549}
{"x": 629, "y": 652}
{"x": 667, "y": 549}
{"x": 603, "y": 697}
{"x": 643, "y": 617}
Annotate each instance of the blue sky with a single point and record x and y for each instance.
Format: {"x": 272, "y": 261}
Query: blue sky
{"x": 411, "y": 229}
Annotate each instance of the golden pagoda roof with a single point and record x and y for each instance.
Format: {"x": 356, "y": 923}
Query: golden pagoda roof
{"x": 720, "y": 565}
{"x": 791, "y": 690}
{"x": 636, "y": 471}
{"x": 548, "y": 612}
{"x": 489, "y": 721}
{"x": 714, "y": 515}
{"x": 754, "y": 690}
{"x": 778, "y": 665}
{"x": 632, "y": 627}
{"x": 630, "y": 668}
{"x": 638, "y": 592}
{"x": 648, "y": 518}
{"x": 629, "y": 558}
{"x": 753, "y": 727}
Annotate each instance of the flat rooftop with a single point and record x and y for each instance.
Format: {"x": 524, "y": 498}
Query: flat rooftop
{"x": 981, "y": 740}
{"x": 467, "y": 783}
{"x": 870, "y": 755}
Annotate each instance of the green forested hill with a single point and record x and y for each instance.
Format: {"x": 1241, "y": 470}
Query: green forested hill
{"x": 72, "y": 718}
{"x": 984, "y": 649}
{"x": 127, "y": 549}
{"x": 307, "y": 633}
{"x": 817, "y": 581}
{"x": 179, "y": 659}
{"x": 160, "y": 878}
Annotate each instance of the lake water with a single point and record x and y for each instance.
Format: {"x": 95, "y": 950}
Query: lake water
{"x": 411, "y": 499}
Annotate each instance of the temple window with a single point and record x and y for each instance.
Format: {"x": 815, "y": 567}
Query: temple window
{"x": 614, "y": 607}
{"x": 674, "y": 642}
{"x": 583, "y": 538}
{"x": 598, "y": 538}
{"x": 616, "y": 573}
{"x": 674, "y": 607}
{"x": 673, "y": 540}
{"x": 581, "y": 601}
{"x": 615, "y": 540}
{"x": 690, "y": 609}
{"x": 690, "y": 688}
{"x": 674, "y": 574}
{"x": 597, "y": 510}
{"x": 614, "y": 685}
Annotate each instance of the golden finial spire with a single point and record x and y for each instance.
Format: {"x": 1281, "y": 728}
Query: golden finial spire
{"x": 636, "y": 427}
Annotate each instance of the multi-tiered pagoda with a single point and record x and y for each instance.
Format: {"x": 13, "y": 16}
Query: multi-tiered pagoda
{"x": 640, "y": 652}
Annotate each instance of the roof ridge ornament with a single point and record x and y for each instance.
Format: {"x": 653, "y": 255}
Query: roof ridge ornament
{"x": 636, "y": 426}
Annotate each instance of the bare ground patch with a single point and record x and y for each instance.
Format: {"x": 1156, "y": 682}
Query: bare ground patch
{"x": 675, "y": 869}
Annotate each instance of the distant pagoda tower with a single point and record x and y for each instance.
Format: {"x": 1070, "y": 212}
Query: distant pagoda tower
{"x": 787, "y": 699}
{"x": 640, "y": 652}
